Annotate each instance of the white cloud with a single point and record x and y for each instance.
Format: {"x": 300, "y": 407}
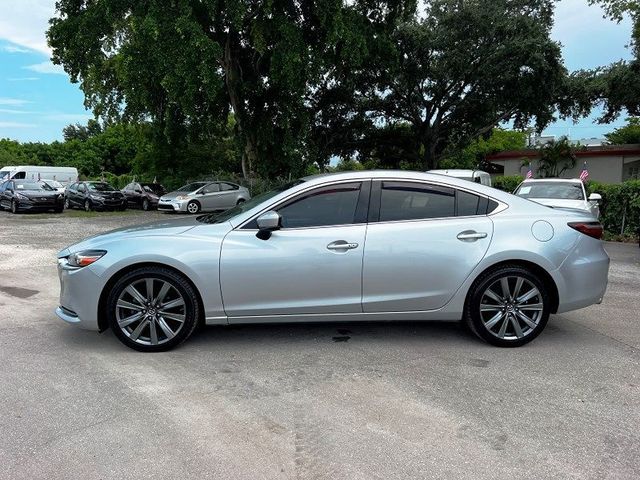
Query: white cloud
{"x": 12, "y": 111}
{"x": 16, "y": 125}
{"x": 23, "y": 79}
{"x": 46, "y": 67}
{"x": 25, "y": 22}
{"x": 13, "y": 101}
{"x": 14, "y": 49}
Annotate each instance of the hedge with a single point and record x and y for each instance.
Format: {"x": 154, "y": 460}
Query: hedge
{"x": 619, "y": 208}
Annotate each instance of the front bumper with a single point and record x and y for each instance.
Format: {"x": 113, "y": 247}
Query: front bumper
{"x": 79, "y": 295}
{"x": 172, "y": 205}
{"x": 109, "y": 204}
{"x": 39, "y": 207}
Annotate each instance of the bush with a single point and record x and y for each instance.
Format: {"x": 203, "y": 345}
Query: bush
{"x": 507, "y": 183}
{"x": 620, "y": 206}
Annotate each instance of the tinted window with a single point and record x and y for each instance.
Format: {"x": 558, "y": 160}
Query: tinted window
{"x": 82, "y": 188}
{"x": 332, "y": 205}
{"x": 73, "y": 186}
{"x": 20, "y": 175}
{"x": 211, "y": 188}
{"x": 412, "y": 201}
{"x": 225, "y": 187}
{"x": 467, "y": 203}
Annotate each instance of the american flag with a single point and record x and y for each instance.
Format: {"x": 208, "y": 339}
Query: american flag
{"x": 584, "y": 174}
{"x": 529, "y": 172}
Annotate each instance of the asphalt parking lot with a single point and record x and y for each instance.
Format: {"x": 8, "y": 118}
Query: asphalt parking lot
{"x": 361, "y": 401}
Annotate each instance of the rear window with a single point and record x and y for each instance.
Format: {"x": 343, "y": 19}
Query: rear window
{"x": 556, "y": 190}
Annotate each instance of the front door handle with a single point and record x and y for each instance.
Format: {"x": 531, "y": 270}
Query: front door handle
{"x": 341, "y": 245}
{"x": 471, "y": 235}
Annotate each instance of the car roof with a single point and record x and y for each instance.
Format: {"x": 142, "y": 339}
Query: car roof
{"x": 555, "y": 180}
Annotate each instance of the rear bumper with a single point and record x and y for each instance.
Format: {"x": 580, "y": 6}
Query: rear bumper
{"x": 583, "y": 276}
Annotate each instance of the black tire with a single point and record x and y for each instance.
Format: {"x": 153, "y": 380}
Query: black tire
{"x": 67, "y": 204}
{"x": 240, "y": 201}
{"x": 14, "y": 207}
{"x": 511, "y": 311}
{"x": 191, "y": 309}
{"x": 59, "y": 210}
{"x": 193, "y": 207}
{"x": 145, "y": 205}
{"x": 87, "y": 206}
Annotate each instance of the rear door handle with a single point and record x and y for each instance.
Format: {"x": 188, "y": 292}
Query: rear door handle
{"x": 341, "y": 245}
{"x": 471, "y": 235}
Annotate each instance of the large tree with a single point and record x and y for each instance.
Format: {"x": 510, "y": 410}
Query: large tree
{"x": 186, "y": 63}
{"x": 460, "y": 69}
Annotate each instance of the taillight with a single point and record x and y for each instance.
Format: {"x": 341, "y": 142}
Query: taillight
{"x": 593, "y": 229}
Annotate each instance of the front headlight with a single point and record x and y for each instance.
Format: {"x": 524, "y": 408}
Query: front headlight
{"x": 182, "y": 197}
{"x": 95, "y": 197}
{"x": 85, "y": 258}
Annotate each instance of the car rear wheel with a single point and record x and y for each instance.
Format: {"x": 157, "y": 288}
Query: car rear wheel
{"x": 508, "y": 306}
{"x": 193, "y": 207}
{"x": 87, "y": 206}
{"x": 152, "y": 309}
{"x": 240, "y": 201}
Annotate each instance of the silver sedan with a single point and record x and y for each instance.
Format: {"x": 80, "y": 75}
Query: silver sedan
{"x": 199, "y": 197}
{"x": 369, "y": 245}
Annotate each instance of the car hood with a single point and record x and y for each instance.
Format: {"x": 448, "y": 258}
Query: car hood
{"x": 173, "y": 195}
{"x": 162, "y": 228}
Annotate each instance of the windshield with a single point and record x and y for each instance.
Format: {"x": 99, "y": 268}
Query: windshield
{"x": 191, "y": 187}
{"x": 31, "y": 186}
{"x": 152, "y": 187}
{"x": 100, "y": 187}
{"x": 558, "y": 190}
{"x": 245, "y": 206}
{"x": 4, "y": 175}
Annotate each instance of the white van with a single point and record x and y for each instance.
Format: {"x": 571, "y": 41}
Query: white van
{"x": 64, "y": 175}
{"x": 476, "y": 176}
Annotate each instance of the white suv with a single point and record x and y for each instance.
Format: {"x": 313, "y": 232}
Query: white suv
{"x": 560, "y": 192}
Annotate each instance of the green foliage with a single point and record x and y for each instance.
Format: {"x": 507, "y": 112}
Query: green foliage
{"x": 556, "y": 157}
{"x": 474, "y": 155}
{"x": 348, "y": 164}
{"x": 507, "y": 183}
{"x": 630, "y": 133}
{"x": 620, "y": 205}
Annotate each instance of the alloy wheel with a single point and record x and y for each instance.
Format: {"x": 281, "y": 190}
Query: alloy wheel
{"x": 87, "y": 206}
{"x": 150, "y": 311}
{"x": 511, "y": 308}
{"x": 193, "y": 207}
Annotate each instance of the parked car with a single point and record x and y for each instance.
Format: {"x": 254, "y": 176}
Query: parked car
{"x": 26, "y": 195}
{"x": 94, "y": 196}
{"x": 143, "y": 195}
{"x": 559, "y": 192}
{"x": 437, "y": 248}
{"x": 55, "y": 185}
{"x": 204, "y": 197}
{"x": 65, "y": 175}
{"x": 476, "y": 176}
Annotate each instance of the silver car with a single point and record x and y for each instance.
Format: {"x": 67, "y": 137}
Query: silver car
{"x": 368, "y": 245}
{"x": 560, "y": 192}
{"x": 199, "y": 197}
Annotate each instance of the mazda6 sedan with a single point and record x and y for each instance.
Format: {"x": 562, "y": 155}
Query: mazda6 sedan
{"x": 368, "y": 245}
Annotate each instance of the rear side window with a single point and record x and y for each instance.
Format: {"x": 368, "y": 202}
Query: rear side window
{"x": 225, "y": 187}
{"x": 332, "y": 205}
{"x": 414, "y": 201}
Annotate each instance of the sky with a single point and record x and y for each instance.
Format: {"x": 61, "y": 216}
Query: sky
{"x": 37, "y": 99}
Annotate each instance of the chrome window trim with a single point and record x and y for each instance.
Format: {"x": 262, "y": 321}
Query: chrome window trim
{"x": 501, "y": 205}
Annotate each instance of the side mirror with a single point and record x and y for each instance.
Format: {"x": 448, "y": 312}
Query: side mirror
{"x": 595, "y": 197}
{"x": 267, "y": 223}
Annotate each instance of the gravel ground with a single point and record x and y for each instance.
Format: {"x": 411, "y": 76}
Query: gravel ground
{"x": 365, "y": 400}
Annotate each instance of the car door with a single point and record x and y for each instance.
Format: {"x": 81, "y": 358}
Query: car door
{"x": 228, "y": 195}
{"x": 3, "y": 199}
{"x": 423, "y": 241}
{"x": 312, "y": 265}
{"x": 129, "y": 193}
{"x": 79, "y": 194}
{"x": 207, "y": 196}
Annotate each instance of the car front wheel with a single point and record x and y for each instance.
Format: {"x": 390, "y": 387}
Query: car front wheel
{"x": 87, "y": 206}
{"x": 152, "y": 309}
{"x": 14, "y": 207}
{"x": 508, "y": 306}
{"x": 193, "y": 207}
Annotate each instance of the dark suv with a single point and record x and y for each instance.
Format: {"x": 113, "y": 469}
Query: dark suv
{"x": 143, "y": 195}
{"x": 94, "y": 196}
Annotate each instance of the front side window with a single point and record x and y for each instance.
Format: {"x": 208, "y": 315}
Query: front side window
{"x": 211, "y": 188}
{"x": 20, "y": 175}
{"x": 330, "y": 205}
{"x": 82, "y": 188}
{"x": 414, "y": 201}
